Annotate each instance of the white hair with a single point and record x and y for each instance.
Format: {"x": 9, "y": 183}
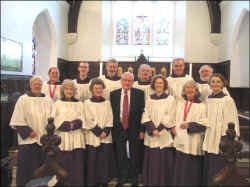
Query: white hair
{"x": 35, "y": 78}
{"x": 194, "y": 84}
{"x": 127, "y": 73}
{"x": 112, "y": 60}
{"x": 144, "y": 65}
{"x": 203, "y": 66}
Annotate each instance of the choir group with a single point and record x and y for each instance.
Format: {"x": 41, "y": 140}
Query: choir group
{"x": 167, "y": 129}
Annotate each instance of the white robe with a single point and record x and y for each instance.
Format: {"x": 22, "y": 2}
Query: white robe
{"x": 45, "y": 90}
{"x": 220, "y": 112}
{"x": 146, "y": 88}
{"x": 111, "y": 85}
{"x": 69, "y": 111}
{"x": 34, "y": 113}
{"x": 159, "y": 111}
{"x": 175, "y": 85}
{"x": 190, "y": 143}
{"x": 83, "y": 93}
{"x": 205, "y": 91}
{"x": 98, "y": 113}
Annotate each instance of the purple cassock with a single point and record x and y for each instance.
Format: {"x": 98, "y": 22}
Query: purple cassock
{"x": 100, "y": 154}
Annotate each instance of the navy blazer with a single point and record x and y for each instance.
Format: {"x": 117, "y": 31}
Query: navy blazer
{"x": 136, "y": 109}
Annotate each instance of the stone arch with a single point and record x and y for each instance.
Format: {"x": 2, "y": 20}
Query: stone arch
{"x": 239, "y": 71}
{"x": 45, "y": 35}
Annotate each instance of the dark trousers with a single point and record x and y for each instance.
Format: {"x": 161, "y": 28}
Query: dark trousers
{"x": 128, "y": 165}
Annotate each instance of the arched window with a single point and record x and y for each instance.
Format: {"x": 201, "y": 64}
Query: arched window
{"x": 142, "y": 26}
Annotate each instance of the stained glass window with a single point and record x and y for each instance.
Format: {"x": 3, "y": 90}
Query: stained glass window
{"x": 34, "y": 52}
{"x": 122, "y": 31}
{"x": 162, "y": 32}
{"x": 142, "y": 25}
{"x": 142, "y": 30}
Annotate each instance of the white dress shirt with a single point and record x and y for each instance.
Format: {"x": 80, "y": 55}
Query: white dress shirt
{"x": 121, "y": 104}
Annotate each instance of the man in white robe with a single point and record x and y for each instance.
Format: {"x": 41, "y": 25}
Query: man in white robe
{"x": 110, "y": 79}
{"x": 30, "y": 118}
{"x": 144, "y": 80}
{"x": 82, "y": 82}
{"x": 177, "y": 79}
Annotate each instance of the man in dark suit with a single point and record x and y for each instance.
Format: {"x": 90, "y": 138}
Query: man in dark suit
{"x": 127, "y": 105}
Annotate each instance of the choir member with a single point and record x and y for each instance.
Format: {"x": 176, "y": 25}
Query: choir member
{"x": 82, "y": 82}
{"x": 99, "y": 121}
{"x": 144, "y": 80}
{"x": 221, "y": 110}
{"x": 205, "y": 73}
{"x": 110, "y": 79}
{"x": 178, "y": 78}
{"x": 143, "y": 83}
{"x": 52, "y": 88}
{"x": 127, "y": 106}
{"x": 30, "y": 118}
{"x": 158, "y": 119}
{"x": 69, "y": 121}
{"x": 191, "y": 122}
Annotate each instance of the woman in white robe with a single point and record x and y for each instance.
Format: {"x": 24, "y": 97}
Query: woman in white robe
{"x": 177, "y": 79}
{"x": 191, "y": 122}
{"x": 51, "y": 88}
{"x": 82, "y": 82}
{"x": 206, "y": 72}
{"x": 69, "y": 122}
{"x": 30, "y": 118}
{"x": 158, "y": 119}
{"x": 99, "y": 122}
{"x": 221, "y": 110}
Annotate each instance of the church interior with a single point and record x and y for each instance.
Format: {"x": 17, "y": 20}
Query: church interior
{"x": 43, "y": 34}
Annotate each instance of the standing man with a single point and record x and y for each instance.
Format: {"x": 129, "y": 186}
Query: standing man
{"x": 82, "y": 82}
{"x": 144, "y": 80}
{"x": 52, "y": 88}
{"x": 178, "y": 78}
{"x": 206, "y": 72}
{"x": 110, "y": 79}
{"x": 127, "y": 106}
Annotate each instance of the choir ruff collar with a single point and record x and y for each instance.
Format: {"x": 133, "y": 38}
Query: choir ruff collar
{"x": 156, "y": 97}
{"x": 196, "y": 100}
{"x": 57, "y": 83}
{"x": 30, "y": 94}
{"x": 115, "y": 78}
{"x": 144, "y": 83}
{"x": 219, "y": 95}
{"x": 80, "y": 81}
{"x": 73, "y": 99}
{"x": 177, "y": 76}
{"x": 202, "y": 81}
{"x": 97, "y": 99}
